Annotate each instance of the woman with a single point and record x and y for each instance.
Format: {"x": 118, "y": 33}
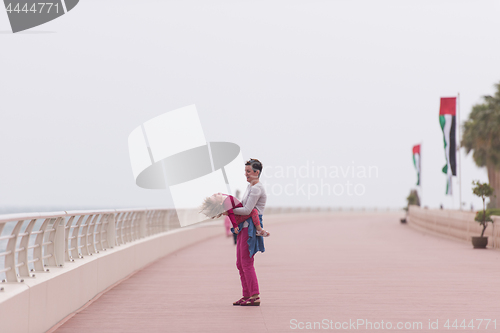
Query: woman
{"x": 247, "y": 242}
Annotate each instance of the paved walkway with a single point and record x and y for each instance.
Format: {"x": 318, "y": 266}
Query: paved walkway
{"x": 338, "y": 268}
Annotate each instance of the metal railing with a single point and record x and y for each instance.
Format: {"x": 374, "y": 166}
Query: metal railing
{"x": 31, "y": 242}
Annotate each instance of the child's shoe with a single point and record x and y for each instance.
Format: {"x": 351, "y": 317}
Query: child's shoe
{"x": 262, "y": 233}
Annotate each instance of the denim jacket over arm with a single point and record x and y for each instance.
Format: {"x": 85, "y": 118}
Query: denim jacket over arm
{"x": 255, "y": 243}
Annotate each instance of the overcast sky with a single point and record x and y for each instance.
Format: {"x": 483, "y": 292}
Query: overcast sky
{"x": 337, "y": 84}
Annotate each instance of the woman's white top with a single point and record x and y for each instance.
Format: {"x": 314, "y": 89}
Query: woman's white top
{"x": 254, "y": 197}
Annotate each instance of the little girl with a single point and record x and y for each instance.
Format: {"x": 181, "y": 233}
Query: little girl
{"x": 219, "y": 203}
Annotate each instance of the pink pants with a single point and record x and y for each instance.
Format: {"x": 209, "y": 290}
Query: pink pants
{"x": 244, "y": 264}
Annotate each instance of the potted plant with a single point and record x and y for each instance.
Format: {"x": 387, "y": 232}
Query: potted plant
{"x": 412, "y": 199}
{"x": 482, "y": 190}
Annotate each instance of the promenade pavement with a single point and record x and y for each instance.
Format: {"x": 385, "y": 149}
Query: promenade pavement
{"x": 333, "y": 270}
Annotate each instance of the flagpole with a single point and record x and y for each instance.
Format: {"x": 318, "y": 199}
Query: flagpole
{"x": 459, "y": 154}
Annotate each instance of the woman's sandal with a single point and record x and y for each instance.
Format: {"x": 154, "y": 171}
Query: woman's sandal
{"x": 251, "y": 302}
{"x": 263, "y": 233}
{"x": 241, "y": 300}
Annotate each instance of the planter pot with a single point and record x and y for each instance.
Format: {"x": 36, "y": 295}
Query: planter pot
{"x": 479, "y": 242}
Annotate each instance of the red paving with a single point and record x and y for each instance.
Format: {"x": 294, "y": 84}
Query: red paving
{"x": 334, "y": 268}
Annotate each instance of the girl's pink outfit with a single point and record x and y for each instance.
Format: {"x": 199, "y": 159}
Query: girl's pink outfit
{"x": 231, "y": 202}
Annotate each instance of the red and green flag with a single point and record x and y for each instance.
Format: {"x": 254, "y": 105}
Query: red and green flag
{"x": 416, "y": 161}
{"x": 447, "y": 112}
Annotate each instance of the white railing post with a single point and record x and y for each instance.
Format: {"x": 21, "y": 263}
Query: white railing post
{"x": 38, "y": 252}
{"x": 111, "y": 232}
{"x": 23, "y": 256}
{"x": 142, "y": 224}
{"x": 59, "y": 241}
{"x": 167, "y": 218}
{"x": 10, "y": 258}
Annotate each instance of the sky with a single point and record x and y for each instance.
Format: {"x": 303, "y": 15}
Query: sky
{"x": 341, "y": 86}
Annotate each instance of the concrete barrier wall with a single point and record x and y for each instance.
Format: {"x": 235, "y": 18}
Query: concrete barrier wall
{"x": 453, "y": 224}
{"x": 41, "y": 302}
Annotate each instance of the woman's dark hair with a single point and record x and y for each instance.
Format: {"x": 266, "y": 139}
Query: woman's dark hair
{"x": 256, "y": 165}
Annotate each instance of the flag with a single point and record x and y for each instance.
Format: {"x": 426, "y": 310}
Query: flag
{"x": 447, "y": 112}
{"x": 416, "y": 161}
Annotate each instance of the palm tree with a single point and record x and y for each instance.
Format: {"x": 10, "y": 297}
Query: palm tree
{"x": 481, "y": 134}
